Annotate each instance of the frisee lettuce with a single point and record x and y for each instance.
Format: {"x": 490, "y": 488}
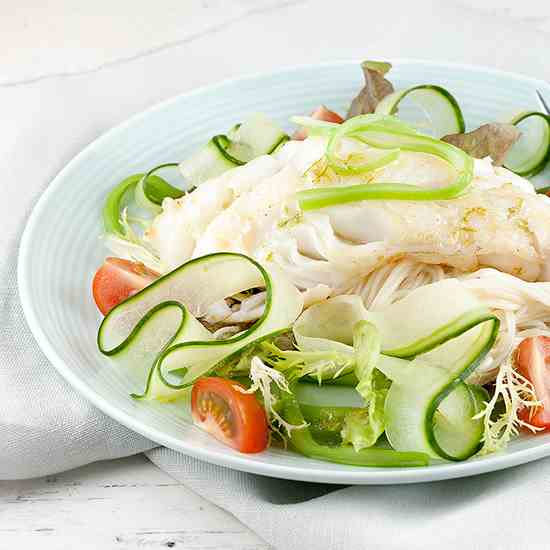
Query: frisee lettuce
{"x": 270, "y": 383}
{"x": 514, "y": 392}
{"x": 130, "y": 246}
{"x": 321, "y": 365}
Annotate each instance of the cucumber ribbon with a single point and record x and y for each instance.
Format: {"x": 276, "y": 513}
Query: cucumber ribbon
{"x": 430, "y": 342}
{"x": 531, "y": 153}
{"x": 256, "y": 136}
{"x": 387, "y": 133}
{"x": 439, "y": 104}
{"x": 156, "y": 331}
{"x": 149, "y": 191}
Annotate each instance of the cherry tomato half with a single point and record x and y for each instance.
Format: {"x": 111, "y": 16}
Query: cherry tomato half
{"x": 118, "y": 279}
{"x": 234, "y": 418}
{"x": 321, "y": 113}
{"x": 533, "y": 361}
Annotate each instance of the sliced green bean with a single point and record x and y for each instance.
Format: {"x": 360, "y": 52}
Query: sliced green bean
{"x": 302, "y": 441}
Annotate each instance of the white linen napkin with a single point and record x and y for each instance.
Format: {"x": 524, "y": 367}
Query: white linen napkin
{"x": 46, "y": 427}
{"x": 506, "y": 510}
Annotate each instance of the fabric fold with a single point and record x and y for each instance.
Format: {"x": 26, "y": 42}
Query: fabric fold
{"x": 505, "y": 510}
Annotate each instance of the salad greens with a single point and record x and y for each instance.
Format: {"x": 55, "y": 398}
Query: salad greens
{"x": 363, "y": 428}
{"x": 150, "y": 193}
{"x": 302, "y": 441}
{"x": 331, "y": 340}
{"x": 157, "y": 188}
{"x": 338, "y": 382}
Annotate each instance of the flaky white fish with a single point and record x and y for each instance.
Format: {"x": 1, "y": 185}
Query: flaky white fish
{"x": 500, "y": 222}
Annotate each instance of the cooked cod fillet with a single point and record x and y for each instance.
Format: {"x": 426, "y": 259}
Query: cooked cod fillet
{"x": 500, "y": 222}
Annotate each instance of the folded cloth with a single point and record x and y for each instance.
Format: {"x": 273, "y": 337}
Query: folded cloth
{"x": 507, "y": 510}
{"x": 46, "y": 427}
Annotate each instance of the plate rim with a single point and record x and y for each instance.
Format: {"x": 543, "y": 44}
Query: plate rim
{"x": 223, "y": 457}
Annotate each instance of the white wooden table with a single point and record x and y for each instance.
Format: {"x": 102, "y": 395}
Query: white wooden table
{"x": 129, "y": 503}
{"x": 119, "y": 504}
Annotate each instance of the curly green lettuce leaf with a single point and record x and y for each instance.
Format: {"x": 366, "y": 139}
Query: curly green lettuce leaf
{"x": 320, "y": 365}
{"x": 366, "y": 345}
{"x": 363, "y": 427}
{"x": 126, "y": 243}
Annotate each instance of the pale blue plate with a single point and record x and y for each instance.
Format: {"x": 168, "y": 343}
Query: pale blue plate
{"x": 68, "y": 251}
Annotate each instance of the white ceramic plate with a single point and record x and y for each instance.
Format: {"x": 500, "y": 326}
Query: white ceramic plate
{"x": 62, "y": 238}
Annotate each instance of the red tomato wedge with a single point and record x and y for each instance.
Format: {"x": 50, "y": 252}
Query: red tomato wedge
{"x": 533, "y": 362}
{"x": 118, "y": 279}
{"x": 321, "y": 113}
{"x": 232, "y": 417}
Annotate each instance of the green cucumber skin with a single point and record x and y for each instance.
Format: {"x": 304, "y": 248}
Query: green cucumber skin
{"x": 432, "y": 407}
{"x": 446, "y": 333}
{"x": 168, "y": 349}
{"x": 221, "y": 157}
{"x": 279, "y": 144}
{"x": 155, "y": 192}
{"x": 538, "y": 168}
{"x": 243, "y": 335}
{"x": 112, "y": 204}
{"x": 461, "y": 125}
{"x": 454, "y": 103}
{"x": 139, "y": 325}
{"x": 214, "y": 350}
{"x": 221, "y": 142}
{"x": 138, "y": 295}
{"x": 157, "y": 189}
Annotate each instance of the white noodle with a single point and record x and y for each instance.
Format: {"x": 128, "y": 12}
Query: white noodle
{"x": 393, "y": 280}
{"x": 522, "y": 307}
